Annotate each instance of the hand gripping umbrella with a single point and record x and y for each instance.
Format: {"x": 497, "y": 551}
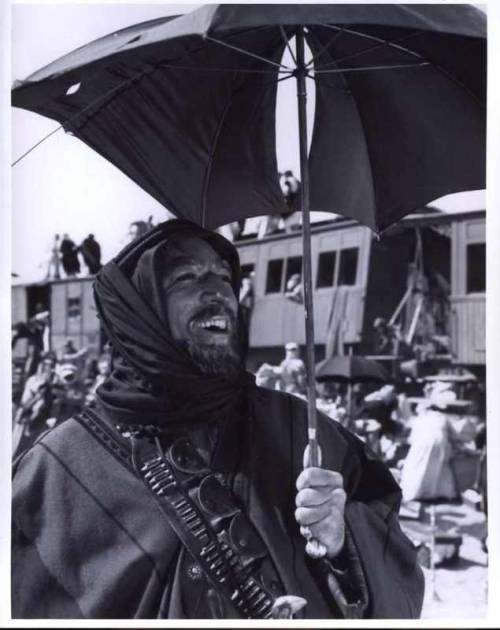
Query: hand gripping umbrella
{"x": 186, "y": 108}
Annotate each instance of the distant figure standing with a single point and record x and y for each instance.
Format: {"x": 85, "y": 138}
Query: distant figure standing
{"x": 53, "y": 268}
{"x": 290, "y": 186}
{"x": 69, "y": 257}
{"x": 294, "y": 290}
{"x": 292, "y": 371}
{"x": 91, "y": 252}
{"x": 246, "y": 298}
{"x": 427, "y": 471}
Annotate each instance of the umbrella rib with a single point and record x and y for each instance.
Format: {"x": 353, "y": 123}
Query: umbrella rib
{"x": 241, "y": 70}
{"x": 287, "y": 44}
{"x": 36, "y": 145}
{"x": 325, "y": 47}
{"x": 369, "y": 68}
{"x": 210, "y": 161}
{"x": 395, "y": 45}
{"x": 248, "y": 53}
{"x": 381, "y": 43}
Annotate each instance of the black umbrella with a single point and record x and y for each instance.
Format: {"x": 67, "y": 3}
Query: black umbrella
{"x": 350, "y": 369}
{"x": 186, "y": 108}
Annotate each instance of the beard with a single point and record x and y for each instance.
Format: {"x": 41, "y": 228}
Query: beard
{"x": 215, "y": 359}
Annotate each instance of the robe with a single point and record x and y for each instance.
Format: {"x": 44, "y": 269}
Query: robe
{"x": 89, "y": 540}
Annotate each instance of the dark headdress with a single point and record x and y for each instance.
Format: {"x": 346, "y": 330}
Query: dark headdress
{"x": 154, "y": 380}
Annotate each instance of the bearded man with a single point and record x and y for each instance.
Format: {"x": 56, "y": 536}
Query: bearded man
{"x": 181, "y": 494}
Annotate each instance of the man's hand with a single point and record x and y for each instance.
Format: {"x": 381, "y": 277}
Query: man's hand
{"x": 320, "y": 505}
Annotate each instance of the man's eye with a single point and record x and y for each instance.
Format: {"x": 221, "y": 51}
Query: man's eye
{"x": 188, "y": 275}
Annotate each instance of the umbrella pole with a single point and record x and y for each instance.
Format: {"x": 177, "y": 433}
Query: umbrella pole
{"x": 306, "y": 241}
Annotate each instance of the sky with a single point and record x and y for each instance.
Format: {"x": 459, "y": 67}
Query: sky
{"x": 62, "y": 185}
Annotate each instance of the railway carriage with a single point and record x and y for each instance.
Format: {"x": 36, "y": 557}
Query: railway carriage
{"x": 356, "y": 277}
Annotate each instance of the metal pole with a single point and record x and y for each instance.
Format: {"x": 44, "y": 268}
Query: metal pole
{"x": 306, "y": 240}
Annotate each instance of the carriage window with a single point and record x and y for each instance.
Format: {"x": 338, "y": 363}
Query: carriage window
{"x": 348, "y": 266}
{"x": 293, "y": 268}
{"x": 74, "y": 307}
{"x": 476, "y": 268}
{"x": 274, "y": 276}
{"x": 326, "y": 269}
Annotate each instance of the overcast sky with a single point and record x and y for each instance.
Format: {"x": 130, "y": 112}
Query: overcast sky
{"x": 63, "y": 186}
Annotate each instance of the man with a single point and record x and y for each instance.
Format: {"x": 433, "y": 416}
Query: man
{"x": 91, "y": 252}
{"x": 53, "y": 267}
{"x": 247, "y": 298}
{"x": 292, "y": 371}
{"x": 182, "y": 493}
{"x": 69, "y": 257}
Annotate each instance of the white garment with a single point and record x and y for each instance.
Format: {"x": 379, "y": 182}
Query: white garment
{"x": 427, "y": 472}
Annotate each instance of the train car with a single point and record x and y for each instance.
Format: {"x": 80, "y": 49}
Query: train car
{"x": 72, "y": 312}
{"x": 356, "y": 279}
{"x": 468, "y": 299}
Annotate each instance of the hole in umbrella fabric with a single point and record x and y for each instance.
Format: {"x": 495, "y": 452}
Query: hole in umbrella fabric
{"x": 73, "y": 89}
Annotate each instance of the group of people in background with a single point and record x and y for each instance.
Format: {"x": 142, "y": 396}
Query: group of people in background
{"x": 65, "y": 255}
{"x": 58, "y": 388}
{"x": 433, "y": 442}
{"x": 419, "y": 438}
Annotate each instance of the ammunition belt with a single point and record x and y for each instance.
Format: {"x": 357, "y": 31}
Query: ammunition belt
{"x": 213, "y": 551}
{"x": 203, "y": 514}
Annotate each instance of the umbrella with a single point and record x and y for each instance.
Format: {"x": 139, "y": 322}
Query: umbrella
{"x": 350, "y": 369}
{"x": 186, "y": 108}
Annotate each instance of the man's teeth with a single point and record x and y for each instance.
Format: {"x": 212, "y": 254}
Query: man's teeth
{"x": 217, "y": 323}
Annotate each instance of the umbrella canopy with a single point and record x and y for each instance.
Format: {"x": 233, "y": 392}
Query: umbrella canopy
{"x": 350, "y": 369}
{"x": 186, "y": 106}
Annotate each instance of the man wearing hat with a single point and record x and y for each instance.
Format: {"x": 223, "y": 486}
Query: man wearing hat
{"x": 182, "y": 493}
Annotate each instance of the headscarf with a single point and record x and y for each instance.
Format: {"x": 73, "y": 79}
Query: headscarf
{"x": 154, "y": 382}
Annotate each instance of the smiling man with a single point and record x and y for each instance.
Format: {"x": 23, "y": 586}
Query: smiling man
{"x": 204, "y": 319}
{"x": 182, "y": 493}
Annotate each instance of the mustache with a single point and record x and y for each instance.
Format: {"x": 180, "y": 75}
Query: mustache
{"x": 213, "y": 310}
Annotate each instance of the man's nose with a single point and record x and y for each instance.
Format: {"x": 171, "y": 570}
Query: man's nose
{"x": 215, "y": 288}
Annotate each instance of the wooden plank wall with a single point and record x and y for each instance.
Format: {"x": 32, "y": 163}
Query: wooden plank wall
{"x": 468, "y": 311}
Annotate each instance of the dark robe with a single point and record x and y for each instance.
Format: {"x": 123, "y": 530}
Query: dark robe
{"x": 69, "y": 257}
{"x": 89, "y": 541}
{"x": 91, "y": 252}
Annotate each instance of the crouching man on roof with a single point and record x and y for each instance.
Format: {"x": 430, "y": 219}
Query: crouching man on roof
{"x": 182, "y": 493}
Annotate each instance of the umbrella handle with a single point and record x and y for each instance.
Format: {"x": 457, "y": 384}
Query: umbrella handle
{"x": 312, "y": 457}
{"x": 312, "y": 454}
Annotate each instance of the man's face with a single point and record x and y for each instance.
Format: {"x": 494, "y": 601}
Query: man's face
{"x": 201, "y": 306}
